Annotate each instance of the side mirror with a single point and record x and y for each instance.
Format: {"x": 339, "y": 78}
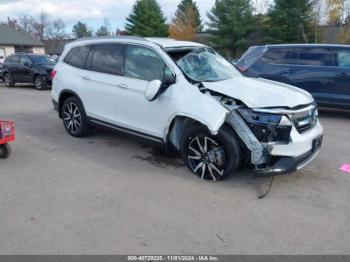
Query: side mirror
{"x": 27, "y": 64}
{"x": 152, "y": 90}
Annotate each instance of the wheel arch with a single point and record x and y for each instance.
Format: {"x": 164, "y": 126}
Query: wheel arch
{"x": 64, "y": 95}
{"x": 178, "y": 124}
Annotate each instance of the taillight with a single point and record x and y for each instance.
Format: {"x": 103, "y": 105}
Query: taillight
{"x": 53, "y": 73}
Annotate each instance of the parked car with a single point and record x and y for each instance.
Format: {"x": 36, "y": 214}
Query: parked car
{"x": 28, "y": 68}
{"x": 185, "y": 96}
{"x": 322, "y": 70}
{"x": 0, "y": 71}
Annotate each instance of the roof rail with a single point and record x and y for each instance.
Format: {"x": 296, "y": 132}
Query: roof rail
{"x": 131, "y": 37}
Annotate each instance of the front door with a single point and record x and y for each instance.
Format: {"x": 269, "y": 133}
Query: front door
{"x": 135, "y": 112}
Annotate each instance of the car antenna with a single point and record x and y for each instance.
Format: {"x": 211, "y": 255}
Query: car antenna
{"x": 267, "y": 191}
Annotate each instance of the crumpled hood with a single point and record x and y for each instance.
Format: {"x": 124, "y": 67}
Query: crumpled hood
{"x": 259, "y": 92}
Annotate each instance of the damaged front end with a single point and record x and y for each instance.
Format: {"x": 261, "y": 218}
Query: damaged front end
{"x": 279, "y": 141}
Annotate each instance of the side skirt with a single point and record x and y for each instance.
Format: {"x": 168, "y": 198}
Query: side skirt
{"x": 152, "y": 139}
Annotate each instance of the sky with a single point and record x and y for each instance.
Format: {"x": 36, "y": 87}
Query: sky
{"x": 92, "y": 12}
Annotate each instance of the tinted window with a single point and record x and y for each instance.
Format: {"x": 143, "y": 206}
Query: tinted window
{"x": 315, "y": 57}
{"x": 24, "y": 60}
{"x": 343, "y": 57}
{"x": 108, "y": 58}
{"x": 13, "y": 59}
{"x": 280, "y": 56}
{"x": 252, "y": 55}
{"x": 77, "y": 56}
{"x": 143, "y": 63}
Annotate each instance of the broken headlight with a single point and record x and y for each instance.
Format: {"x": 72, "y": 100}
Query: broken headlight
{"x": 267, "y": 127}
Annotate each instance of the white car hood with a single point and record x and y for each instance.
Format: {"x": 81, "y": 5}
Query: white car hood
{"x": 259, "y": 92}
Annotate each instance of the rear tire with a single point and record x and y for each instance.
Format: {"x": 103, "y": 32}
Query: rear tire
{"x": 74, "y": 118}
{"x": 210, "y": 157}
{"x": 5, "y": 151}
{"x": 40, "y": 82}
{"x": 8, "y": 80}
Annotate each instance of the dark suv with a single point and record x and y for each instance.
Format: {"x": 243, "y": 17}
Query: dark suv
{"x": 322, "y": 70}
{"x": 28, "y": 68}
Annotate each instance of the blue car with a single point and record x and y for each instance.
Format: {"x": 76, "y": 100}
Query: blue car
{"x": 322, "y": 70}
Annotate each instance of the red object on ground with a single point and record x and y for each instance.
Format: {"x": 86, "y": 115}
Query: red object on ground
{"x": 7, "y": 132}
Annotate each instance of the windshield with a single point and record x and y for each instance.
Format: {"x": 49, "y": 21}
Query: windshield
{"x": 205, "y": 65}
{"x": 42, "y": 60}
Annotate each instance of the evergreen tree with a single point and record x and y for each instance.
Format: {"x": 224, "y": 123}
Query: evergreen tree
{"x": 182, "y": 13}
{"x": 81, "y": 30}
{"x": 104, "y": 29}
{"x": 290, "y": 20}
{"x": 231, "y": 22}
{"x": 147, "y": 19}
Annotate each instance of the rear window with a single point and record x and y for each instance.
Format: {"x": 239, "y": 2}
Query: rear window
{"x": 251, "y": 55}
{"x": 343, "y": 57}
{"x": 316, "y": 57}
{"x": 77, "y": 56}
{"x": 280, "y": 56}
{"x": 12, "y": 59}
{"x": 108, "y": 58}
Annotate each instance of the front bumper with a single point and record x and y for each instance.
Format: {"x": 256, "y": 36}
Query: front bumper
{"x": 287, "y": 165}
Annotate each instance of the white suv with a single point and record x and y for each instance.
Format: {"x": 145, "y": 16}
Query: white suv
{"x": 185, "y": 96}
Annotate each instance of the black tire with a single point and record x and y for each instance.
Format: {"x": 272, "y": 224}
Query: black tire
{"x": 8, "y": 80}
{"x": 5, "y": 151}
{"x": 74, "y": 118}
{"x": 218, "y": 159}
{"x": 40, "y": 82}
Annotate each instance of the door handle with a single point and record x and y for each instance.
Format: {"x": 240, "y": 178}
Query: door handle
{"x": 123, "y": 86}
{"x": 85, "y": 77}
{"x": 342, "y": 75}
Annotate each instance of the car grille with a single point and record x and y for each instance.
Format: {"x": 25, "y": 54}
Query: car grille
{"x": 304, "y": 121}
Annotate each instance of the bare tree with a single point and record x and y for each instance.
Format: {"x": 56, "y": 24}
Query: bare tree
{"x": 41, "y": 25}
{"x": 26, "y": 22}
{"x": 56, "y": 30}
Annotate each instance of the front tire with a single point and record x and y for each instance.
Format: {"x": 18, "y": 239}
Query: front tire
{"x": 8, "y": 80}
{"x": 74, "y": 118}
{"x": 210, "y": 157}
{"x": 40, "y": 82}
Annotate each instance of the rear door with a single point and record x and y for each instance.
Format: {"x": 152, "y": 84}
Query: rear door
{"x": 101, "y": 78}
{"x": 341, "y": 90}
{"x": 314, "y": 71}
{"x": 24, "y": 69}
{"x": 12, "y": 66}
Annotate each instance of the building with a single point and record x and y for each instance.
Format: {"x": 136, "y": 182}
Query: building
{"x": 13, "y": 41}
{"x": 56, "y": 47}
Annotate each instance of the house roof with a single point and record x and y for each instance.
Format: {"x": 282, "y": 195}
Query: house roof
{"x": 10, "y": 36}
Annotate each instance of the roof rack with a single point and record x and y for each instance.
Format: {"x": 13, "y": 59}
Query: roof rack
{"x": 131, "y": 37}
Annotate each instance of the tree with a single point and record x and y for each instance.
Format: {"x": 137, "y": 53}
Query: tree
{"x": 147, "y": 19}
{"x": 41, "y": 25}
{"x": 81, "y": 30}
{"x": 231, "y": 22}
{"x": 56, "y": 30}
{"x": 183, "y": 28}
{"x": 104, "y": 29}
{"x": 290, "y": 20}
{"x": 182, "y": 13}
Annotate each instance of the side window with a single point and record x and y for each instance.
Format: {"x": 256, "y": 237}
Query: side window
{"x": 77, "y": 56}
{"x": 277, "y": 56}
{"x": 316, "y": 57}
{"x": 108, "y": 58}
{"x": 142, "y": 63}
{"x": 13, "y": 59}
{"x": 24, "y": 60}
{"x": 343, "y": 57}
